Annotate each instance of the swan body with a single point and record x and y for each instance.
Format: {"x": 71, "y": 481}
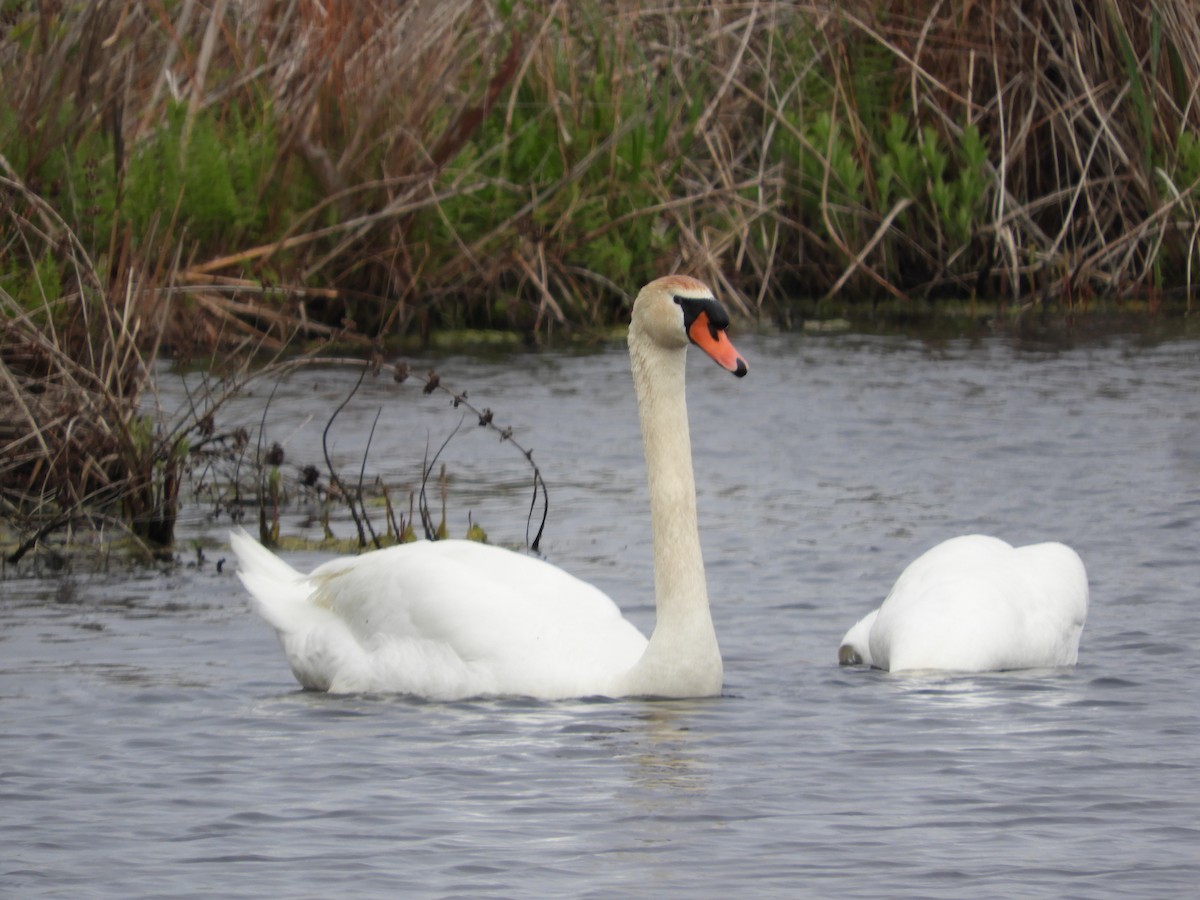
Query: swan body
{"x": 454, "y": 619}
{"x": 975, "y": 604}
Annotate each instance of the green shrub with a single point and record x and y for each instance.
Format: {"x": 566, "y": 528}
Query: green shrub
{"x": 214, "y": 175}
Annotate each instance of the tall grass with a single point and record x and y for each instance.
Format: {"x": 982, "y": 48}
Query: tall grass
{"x": 74, "y": 443}
{"x": 403, "y": 167}
{"x": 187, "y": 176}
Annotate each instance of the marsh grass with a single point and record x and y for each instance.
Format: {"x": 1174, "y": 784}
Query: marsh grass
{"x": 86, "y": 445}
{"x": 391, "y": 169}
{"x": 271, "y": 176}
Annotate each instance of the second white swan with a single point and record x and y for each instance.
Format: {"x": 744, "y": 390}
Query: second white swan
{"x": 976, "y": 604}
{"x": 455, "y": 619}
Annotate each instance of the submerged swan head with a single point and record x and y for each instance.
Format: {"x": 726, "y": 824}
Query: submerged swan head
{"x": 975, "y": 603}
{"x": 855, "y": 649}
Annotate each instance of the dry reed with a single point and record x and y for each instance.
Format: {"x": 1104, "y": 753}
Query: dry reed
{"x": 438, "y": 164}
{"x": 257, "y": 175}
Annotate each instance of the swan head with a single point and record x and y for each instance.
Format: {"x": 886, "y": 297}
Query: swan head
{"x": 855, "y": 649}
{"x": 676, "y": 310}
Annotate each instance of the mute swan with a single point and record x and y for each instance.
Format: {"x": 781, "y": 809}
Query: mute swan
{"x": 977, "y": 604}
{"x": 455, "y": 619}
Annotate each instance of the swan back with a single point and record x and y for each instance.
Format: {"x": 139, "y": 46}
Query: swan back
{"x": 455, "y": 619}
{"x": 975, "y": 603}
{"x": 316, "y": 643}
{"x": 442, "y": 620}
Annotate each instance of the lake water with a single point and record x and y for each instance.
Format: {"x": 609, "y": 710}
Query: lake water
{"x": 153, "y": 742}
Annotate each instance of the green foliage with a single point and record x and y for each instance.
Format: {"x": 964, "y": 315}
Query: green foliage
{"x": 1135, "y": 75}
{"x": 1187, "y": 162}
{"x": 973, "y": 184}
{"x": 213, "y": 174}
{"x": 565, "y": 151}
{"x": 593, "y": 142}
{"x": 948, "y": 185}
{"x": 957, "y": 194}
{"x": 832, "y": 150}
{"x": 1184, "y": 180}
{"x": 211, "y": 180}
{"x": 899, "y": 172}
{"x": 140, "y": 432}
{"x": 35, "y": 287}
{"x": 827, "y": 120}
{"x": 154, "y": 464}
{"x": 72, "y": 168}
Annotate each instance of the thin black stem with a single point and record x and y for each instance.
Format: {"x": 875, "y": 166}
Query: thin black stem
{"x": 333, "y": 476}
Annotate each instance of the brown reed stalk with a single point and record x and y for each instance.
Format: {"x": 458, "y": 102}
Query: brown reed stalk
{"x": 401, "y": 190}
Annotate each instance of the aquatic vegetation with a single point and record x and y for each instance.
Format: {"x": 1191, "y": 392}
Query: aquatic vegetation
{"x": 272, "y": 178}
{"x": 374, "y": 170}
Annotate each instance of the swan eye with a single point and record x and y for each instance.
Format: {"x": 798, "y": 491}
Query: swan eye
{"x": 718, "y": 319}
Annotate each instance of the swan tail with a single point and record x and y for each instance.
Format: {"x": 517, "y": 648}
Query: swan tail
{"x": 278, "y": 593}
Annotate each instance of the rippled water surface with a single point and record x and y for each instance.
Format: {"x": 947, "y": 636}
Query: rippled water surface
{"x": 153, "y": 742}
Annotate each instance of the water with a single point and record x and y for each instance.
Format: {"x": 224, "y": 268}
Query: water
{"x": 153, "y": 742}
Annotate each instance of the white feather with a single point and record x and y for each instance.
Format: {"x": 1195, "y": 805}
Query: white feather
{"x": 455, "y": 619}
{"x": 973, "y": 604}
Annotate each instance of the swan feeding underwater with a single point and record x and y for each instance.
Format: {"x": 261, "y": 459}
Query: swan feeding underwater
{"x": 977, "y": 604}
{"x": 453, "y": 619}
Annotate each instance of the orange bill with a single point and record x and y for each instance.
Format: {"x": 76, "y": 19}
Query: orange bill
{"x": 716, "y": 343}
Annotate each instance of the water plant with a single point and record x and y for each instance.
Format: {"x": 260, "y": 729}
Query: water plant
{"x": 511, "y": 163}
{"x": 264, "y": 177}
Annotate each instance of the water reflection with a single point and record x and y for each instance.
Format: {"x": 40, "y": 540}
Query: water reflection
{"x": 668, "y": 756}
{"x": 1030, "y": 687}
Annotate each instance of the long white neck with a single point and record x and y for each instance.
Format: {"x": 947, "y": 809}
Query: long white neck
{"x": 682, "y": 658}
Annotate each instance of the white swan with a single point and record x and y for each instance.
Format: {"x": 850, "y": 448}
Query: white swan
{"x": 455, "y": 619}
{"x": 977, "y": 604}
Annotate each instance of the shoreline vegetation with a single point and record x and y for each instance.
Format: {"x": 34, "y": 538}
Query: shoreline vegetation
{"x": 259, "y": 183}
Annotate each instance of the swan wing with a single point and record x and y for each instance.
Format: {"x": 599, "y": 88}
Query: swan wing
{"x": 454, "y": 619}
{"x": 975, "y": 603}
